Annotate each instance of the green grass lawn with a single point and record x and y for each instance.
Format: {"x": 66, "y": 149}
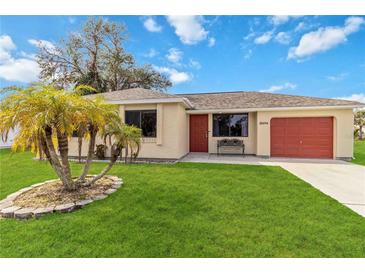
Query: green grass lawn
{"x": 185, "y": 210}
{"x": 359, "y": 152}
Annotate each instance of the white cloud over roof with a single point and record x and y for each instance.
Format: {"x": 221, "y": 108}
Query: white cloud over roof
{"x": 23, "y": 69}
{"x": 189, "y": 29}
{"x": 324, "y": 38}
{"x": 175, "y": 76}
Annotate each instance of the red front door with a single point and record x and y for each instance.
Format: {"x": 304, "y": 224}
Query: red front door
{"x": 199, "y": 133}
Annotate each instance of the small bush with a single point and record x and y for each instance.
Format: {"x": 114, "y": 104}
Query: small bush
{"x": 100, "y": 151}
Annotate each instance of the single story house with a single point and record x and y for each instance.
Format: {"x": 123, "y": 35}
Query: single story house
{"x": 269, "y": 124}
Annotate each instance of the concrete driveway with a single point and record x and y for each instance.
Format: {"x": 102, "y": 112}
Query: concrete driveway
{"x": 341, "y": 180}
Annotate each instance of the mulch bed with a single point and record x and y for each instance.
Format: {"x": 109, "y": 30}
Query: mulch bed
{"x": 50, "y": 196}
{"x": 53, "y": 194}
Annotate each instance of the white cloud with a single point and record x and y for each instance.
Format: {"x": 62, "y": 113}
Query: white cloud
{"x": 338, "y": 77}
{"x": 20, "y": 70}
{"x": 176, "y": 77}
{"x": 249, "y": 36}
{"x": 211, "y": 42}
{"x": 275, "y": 88}
{"x": 194, "y": 64}
{"x": 301, "y": 26}
{"x": 359, "y": 97}
{"x": 43, "y": 44}
{"x": 353, "y": 24}
{"x": 175, "y": 55}
{"x": 283, "y": 38}
{"x": 16, "y": 69}
{"x": 324, "y": 38}
{"x": 151, "y": 53}
{"x": 248, "y": 54}
{"x": 6, "y": 46}
{"x": 279, "y": 19}
{"x": 151, "y": 25}
{"x": 264, "y": 38}
{"x": 190, "y": 29}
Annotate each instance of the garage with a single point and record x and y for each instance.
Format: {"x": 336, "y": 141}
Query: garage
{"x": 302, "y": 137}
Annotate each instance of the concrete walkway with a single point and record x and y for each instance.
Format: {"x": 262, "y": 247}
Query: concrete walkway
{"x": 341, "y": 180}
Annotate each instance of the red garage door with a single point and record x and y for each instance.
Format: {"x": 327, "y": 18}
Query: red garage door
{"x": 302, "y": 137}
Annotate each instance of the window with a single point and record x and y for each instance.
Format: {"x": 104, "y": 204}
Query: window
{"x": 144, "y": 119}
{"x": 230, "y": 125}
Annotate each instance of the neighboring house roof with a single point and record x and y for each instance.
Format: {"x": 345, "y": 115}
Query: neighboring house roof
{"x": 223, "y": 100}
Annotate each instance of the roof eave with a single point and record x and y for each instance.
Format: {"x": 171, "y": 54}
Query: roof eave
{"x": 181, "y": 100}
{"x": 233, "y": 110}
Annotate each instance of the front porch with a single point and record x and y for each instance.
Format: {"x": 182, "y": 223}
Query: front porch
{"x": 201, "y": 157}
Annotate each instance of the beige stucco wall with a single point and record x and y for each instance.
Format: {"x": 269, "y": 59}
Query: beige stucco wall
{"x": 171, "y": 141}
{"x": 343, "y": 129}
{"x": 249, "y": 141}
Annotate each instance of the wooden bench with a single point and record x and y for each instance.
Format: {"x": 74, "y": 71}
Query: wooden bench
{"x": 230, "y": 143}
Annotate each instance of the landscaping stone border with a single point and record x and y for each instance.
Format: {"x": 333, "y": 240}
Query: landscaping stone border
{"x": 9, "y": 210}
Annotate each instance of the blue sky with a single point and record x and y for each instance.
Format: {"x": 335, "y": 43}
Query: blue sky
{"x": 320, "y": 56}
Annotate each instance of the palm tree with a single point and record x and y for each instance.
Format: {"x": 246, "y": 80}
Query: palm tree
{"x": 124, "y": 137}
{"x": 47, "y": 117}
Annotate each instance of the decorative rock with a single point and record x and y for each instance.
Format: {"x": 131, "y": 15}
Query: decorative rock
{"x": 39, "y": 184}
{"x": 5, "y": 204}
{"x": 42, "y": 211}
{"x": 24, "y": 213}
{"x": 110, "y": 191}
{"x": 26, "y": 189}
{"x": 49, "y": 181}
{"x": 65, "y": 207}
{"x": 84, "y": 202}
{"x": 13, "y": 195}
{"x": 16, "y": 194}
{"x": 9, "y": 211}
{"x": 99, "y": 197}
{"x": 116, "y": 185}
{"x": 23, "y": 190}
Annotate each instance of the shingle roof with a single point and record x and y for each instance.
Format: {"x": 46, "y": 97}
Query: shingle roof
{"x": 229, "y": 100}
{"x": 251, "y": 99}
{"x": 133, "y": 94}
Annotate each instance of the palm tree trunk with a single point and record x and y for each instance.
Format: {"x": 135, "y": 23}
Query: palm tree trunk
{"x": 90, "y": 154}
{"x": 114, "y": 157}
{"x": 54, "y": 161}
{"x": 79, "y": 141}
{"x": 43, "y": 147}
{"x": 104, "y": 171}
{"x": 126, "y": 154}
{"x": 63, "y": 149}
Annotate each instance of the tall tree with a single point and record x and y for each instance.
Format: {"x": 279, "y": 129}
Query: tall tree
{"x": 96, "y": 57}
